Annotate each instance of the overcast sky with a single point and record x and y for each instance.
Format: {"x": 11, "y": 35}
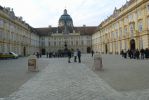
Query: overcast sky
{"x": 42, "y": 13}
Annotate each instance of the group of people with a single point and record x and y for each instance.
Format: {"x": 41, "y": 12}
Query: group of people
{"x": 38, "y": 55}
{"x": 67, "y": 53}
{"x": 56, "y": 54}
{"x": 136, "y": 54}
{"x": 76, "y": 54}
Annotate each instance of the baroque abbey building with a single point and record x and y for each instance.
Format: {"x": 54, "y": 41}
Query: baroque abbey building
{"x": 126, "y": 29}
{"x": 19, "y": 37}
{"x": 56, "y": 38}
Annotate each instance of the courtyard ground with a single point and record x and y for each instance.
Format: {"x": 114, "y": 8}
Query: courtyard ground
{"x": 125, "y": 79}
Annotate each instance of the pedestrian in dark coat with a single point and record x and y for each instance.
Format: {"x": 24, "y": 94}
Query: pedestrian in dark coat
{"x": 92, "y": 53}
{"x": 69, "y": 56}
{"x": 137, "y": 54}
{"x": 122, "y": 53}
{"x": 79, "y": 56}
{"x": 146, "y": 53}
{"x": 142, "y": 51}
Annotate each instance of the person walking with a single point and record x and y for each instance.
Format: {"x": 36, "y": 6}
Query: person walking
{"x": 122, "y": 53}
{"x": 47, "y": 55}
{"x": 142, "y": 51}
{"x": 69, "y": 56}
{"x": 92, "y": 53}
{"x": 125, "y": 53}
{"x": 79, "y": 56}
{"x": 137, "y": 54}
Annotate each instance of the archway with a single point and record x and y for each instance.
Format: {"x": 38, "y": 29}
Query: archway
{"x": 88, "y": 49}
{"x": 43, "y": 51}
{"x": 132, "y": 44}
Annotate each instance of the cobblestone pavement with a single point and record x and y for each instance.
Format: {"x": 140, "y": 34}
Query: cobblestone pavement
{"x": 61, "y": 80}
{"x": 73, "y": 81}
{"x": 127, "y": 76}
{"x": 13, "y": 73}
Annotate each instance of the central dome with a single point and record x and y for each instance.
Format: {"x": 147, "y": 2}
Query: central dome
{"x": 65, "y": 16}
{"x": 65, "y": 20}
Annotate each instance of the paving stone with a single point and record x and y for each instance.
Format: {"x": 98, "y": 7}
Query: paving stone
{"x": 61, "y": 80}
{"x": 66, "y": 81}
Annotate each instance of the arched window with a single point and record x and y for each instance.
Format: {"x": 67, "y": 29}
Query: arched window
{"x": 1, "y": 23}
{"x": 148, "y": 23}
{"x": 140, "y": 26}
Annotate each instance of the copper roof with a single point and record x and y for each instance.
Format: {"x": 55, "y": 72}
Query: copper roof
{"x": 46, "y": 31}
{"x": 85, "y": 30}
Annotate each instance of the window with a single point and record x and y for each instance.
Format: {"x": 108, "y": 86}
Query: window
{"x": 112, "y": 34}
{"x": 125, "y": 29}
{"x": 125, "y": 21}
{"x": 140, "y": 26}
{"x": 120, "y": 23}
{"x": 120, "y": 32}
{"x": 82, "y": 42}
{"x": 0, "y": 47}
{"x": 1, "y": 23}
{"x": 148, "y": 23}
{"x": 117, "y": 25}
{"x": 49, "y": 43}
{"x": 135, "y": 16}
{"x": 54, "y": 43}
{"x": 130, "y": 17}
{"x": 131, "y": 28}
{"x": 1, "y": 34}
{"x": 116, "y": 34}
{"x": 76, "y": 42}
{"x": 139, "y": 13}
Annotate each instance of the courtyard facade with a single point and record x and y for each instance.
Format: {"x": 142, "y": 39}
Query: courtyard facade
{"x": 127, "y": 28}
{"x": 16, "y": 35}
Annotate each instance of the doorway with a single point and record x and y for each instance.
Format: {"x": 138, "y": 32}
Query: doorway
{"x": 43, "y": 51}
{"x": 132, "y": 44}
{"x": 24, "y": 51}
{"x": 88, "y": 49}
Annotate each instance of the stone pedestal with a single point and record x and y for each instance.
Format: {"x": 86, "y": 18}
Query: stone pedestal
{"x": 97, "y": 63}
{"x": 32, "y": 63}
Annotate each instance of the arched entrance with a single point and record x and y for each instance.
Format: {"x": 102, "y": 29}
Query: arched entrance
{"x": 88, "y": 49}
{"x": 24, "y": 51}
{"x": 132, "y": 44}
{"x": 43, "y": 51}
